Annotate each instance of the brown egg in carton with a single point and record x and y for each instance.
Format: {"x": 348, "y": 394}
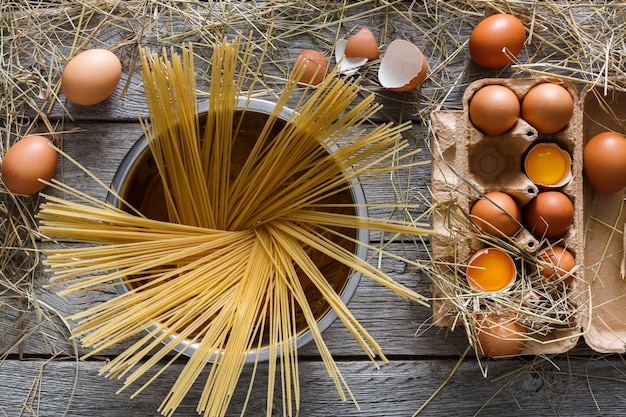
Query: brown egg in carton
{"x": 468, "y": 164}
{"x": 604, "y": 109}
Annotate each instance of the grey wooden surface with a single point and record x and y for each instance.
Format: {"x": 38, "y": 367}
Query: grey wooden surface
{"x": 40, "y": 376}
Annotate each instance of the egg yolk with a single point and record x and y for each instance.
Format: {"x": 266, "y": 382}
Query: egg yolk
{"x": 547, "y": 165}
{"x": 490, "y": 270}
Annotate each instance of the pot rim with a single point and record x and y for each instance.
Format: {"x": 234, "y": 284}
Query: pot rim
{"x": 358, "y": 196}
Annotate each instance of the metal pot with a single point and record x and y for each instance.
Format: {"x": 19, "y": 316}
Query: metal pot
{"x": 134, "y": 169}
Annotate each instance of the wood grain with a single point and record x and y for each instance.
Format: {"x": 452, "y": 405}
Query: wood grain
{"x": 40, "y": 376}
{"x": 399, "y": 388}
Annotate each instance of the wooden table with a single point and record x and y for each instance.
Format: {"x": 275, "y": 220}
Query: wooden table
{"x": 40, "y": 374}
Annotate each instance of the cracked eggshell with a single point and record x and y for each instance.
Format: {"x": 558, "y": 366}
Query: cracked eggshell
{"x": 403, "y": 66}
{"x": 347, "y": 66}
{"x": 362, "y": 45}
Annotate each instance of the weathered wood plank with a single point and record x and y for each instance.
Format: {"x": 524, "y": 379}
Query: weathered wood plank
{"x": 513, "y": 388}
{"x": 584, "y": 385}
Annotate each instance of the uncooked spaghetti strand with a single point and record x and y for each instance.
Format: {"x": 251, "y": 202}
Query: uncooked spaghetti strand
{"x": 207, "y": 311}
{"x": 324, "y": 218}
{"x": 83, "y": 256}
{"x": 203, "y": 310}
{"x": 282, "y": 334}
{"x": 250, "y": 178}
{"x": 310, "y": 189}
{"x": 129, "y": 262}
{"x": 225, "y": 373}
{"x": 255, "y": 281}
{"x": 367, "y": 343}
{"x": 213, "y": 275}
{"x": 63, "y": 211}
{"x": 214, "y": 278}
{"x": 175, "y": 145}
{"x": 287, "y": 148}
{"x": 217, "y": 146}
{"x": 317, "y": 241}
{"x": 119, "y": 271}
{"x": 124, "y": 306}
{"x": 277, "y": 167}
{"x": 132, "y": 355}
{"x": 300, "y": 296}
{"x": 287, "y": 342}
{"x": 113, "y": 227}
{"x": 75, "y": 193}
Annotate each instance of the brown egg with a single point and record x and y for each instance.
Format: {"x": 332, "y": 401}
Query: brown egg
{"x": 362, "y": 45}
{"x": 27, "y": 160}
{"x": 316, "y": 66}
{"x": 558, "y": 263}
{"x": 91, "y": 76}
{"x": 549, "y": 214}
{"x": 494, "y": 109}
{"x": 496, "y": 40}
{"x": 500, "y": 336}
{"x": 548, "y": 107}
{"x": 604, "y": 162}
{"x": 497, "y": 214}
{"x": 403, "y": 66}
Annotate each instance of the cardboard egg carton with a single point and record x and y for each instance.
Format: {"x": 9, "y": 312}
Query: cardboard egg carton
{"x": 605, "y": 329}
{"x": 467, "y": 164}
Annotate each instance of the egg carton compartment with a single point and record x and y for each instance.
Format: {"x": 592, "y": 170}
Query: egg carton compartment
{"x": 466, "y": 165}
{"x": 605, "y": 217}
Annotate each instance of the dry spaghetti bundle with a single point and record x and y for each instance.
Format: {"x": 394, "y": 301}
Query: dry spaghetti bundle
{"x": 251, "y": 236}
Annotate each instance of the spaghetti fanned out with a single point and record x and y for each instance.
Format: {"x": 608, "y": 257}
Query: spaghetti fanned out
{"x": 250, "y": 238}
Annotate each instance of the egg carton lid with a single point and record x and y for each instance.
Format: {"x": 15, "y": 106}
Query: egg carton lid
{"x": 605, "y": 232}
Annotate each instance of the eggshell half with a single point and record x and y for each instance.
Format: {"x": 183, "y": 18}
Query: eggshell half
{"x": 347, "y": 66}
{"x": 403, "y": 66}
{"x": 362, "y": 45}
